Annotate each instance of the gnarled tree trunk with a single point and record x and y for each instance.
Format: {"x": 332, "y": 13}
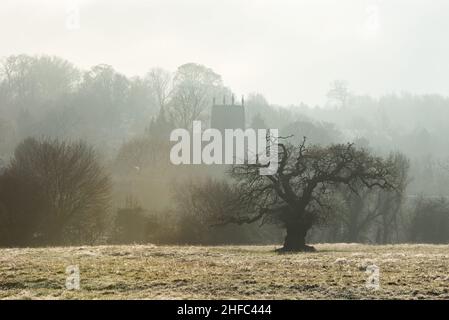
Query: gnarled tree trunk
{"x": 297, "y": 227}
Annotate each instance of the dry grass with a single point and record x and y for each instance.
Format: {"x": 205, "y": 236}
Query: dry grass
{"x": 337, "y": 271}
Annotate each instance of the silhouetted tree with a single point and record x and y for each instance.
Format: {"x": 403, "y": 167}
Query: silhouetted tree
{"x": 194, "y": 87}
{"x": 368, "y": 208}
{"x": 22, "y": 209}
{"x": 161, "y": 84}
{"x": 339, "y": 93}
{"x": 430, "y": 221}
{"x": 298, "y": 194}
{"x": 201, "y": 204}
{"x": 7, "y": 137}
{"x": 69, "y": 184}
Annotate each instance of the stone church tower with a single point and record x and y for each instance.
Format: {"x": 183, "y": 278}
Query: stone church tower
{"x": 228, "y": 116}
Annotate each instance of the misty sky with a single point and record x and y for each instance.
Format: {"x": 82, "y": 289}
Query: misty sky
{"x": 288, "y": 50}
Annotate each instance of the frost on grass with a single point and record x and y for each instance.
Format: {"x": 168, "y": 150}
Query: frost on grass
{"x": 336, "y": 271}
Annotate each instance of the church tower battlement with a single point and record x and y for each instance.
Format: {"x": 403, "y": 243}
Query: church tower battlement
{"x": 228, "y": 116}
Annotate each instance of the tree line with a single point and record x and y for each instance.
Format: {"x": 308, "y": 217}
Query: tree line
{"x": 84, "y": 159}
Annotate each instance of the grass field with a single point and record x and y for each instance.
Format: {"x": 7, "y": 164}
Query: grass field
{"x": 336, "y": 271}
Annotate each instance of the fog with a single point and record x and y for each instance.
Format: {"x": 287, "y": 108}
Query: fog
{"x": 92, "y": 91}
{"x": 288, "y": 50}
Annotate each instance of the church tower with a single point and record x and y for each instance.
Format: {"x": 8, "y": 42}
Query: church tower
{"x": 228, "y": 116}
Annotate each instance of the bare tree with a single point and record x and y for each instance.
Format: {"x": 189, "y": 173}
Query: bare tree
{"x": 194, "y": 87}
{"x": 71, "y": 182}
{"x": 200, "y": 203}
{"x": 160, "y": 82}
{"x": 143, "y": 152}
{"x": 7, "y": 136}
{"x": 430, "y": 220}
{"x": 366, "y": 208}
{"x": 339, "y": 92}
{"x": 298, "y": 195}
{"x": 31, "y": 80}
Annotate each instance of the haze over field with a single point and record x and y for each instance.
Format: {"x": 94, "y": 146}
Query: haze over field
{"x": 215, "y": 149}
{"x": 289, "y": 50}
